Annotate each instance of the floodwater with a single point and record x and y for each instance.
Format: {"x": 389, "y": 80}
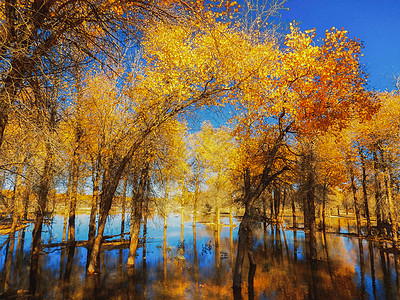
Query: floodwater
{"x": 197, "y": 263}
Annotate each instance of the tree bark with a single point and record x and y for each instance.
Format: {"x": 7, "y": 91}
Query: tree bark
{"x": 392, "y": 213}
{"x": 365, "y": 194}
{"x": 136, "y": 217}
{"x": 356, "y": 206}
{"x": 378, "y": 190}
{"x": 44, "y": 188}
{"x": 123, "y": 200}
{"x": 95, "y": 200}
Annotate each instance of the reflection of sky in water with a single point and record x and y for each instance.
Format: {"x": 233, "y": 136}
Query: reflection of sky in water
{"x": 343, "y": 251}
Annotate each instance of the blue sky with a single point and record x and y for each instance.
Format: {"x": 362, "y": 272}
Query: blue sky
{"x": 375, "y": 22}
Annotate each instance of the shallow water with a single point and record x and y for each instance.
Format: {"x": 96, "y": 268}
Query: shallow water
{"x": 197, "y": 264}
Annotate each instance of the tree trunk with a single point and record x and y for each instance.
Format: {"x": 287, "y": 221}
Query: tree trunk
{"x": 95, "y": 200}
{"x": 356, "y": 207}
{"x": 74, "y": 193}
{"x": 123, "y": 200}
{"x": 93, "y": 262}
{"x": 324, "y": 191}
{"x": 196, "y": 194}
{"x": 241, "y": 251}
{"x": 294, "y": 213}
{"x": 309, "y": 199}
{"x": 392, "y": 213}
{"x": 110, "y": 183}
{"x": 378, "y": 191}
{"x": 136, "y": 217}
{"x": 44, "y": 188}
{"x": 364, "y": 187}
{"x": 252, "y": 263}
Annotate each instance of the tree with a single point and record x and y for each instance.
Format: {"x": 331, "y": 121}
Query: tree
{"x": 304, "y": 89}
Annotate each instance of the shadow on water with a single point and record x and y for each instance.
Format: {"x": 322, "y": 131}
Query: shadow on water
{"x": 181, "y": 260}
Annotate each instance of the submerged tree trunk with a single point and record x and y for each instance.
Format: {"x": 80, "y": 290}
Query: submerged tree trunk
{"x": 95, "y": 200}
{"x": 356, "y": 206}
{"x": 110, "y": 183}
{"x": 44, "y": 187}
{"x": 136, "y": 217}
{"x": 389, "y": 196}
{"x": 73, "y": 197}
{"x": 123, "y": 200}
{"x": 16, "y": 218}
{"x": 309, "y": 199}
{"x": 241, "y": 252}
{"x": 365, "y": 195}
{"x": 196, "y": 195}
{"x": 94, "y": 206}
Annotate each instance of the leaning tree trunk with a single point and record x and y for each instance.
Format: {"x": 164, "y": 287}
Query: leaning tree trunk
{"x": 110, "y": 183}
{"x": 136, "y": 217}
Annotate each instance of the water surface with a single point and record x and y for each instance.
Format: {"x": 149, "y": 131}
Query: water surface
{"x": 197, "y": 263}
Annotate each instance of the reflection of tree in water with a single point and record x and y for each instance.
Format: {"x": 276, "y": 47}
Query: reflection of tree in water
{"x": 206, "y": 248}
{"x": 344, "y": 268}
{"x": 290, "y": 277}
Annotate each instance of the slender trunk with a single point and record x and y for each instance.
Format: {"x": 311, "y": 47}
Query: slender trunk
{"x": 282, "y": 211}
{"x": 217, "y": 218}
{"x": 3, "y": 119}
{"x": 165, "y": 251}
{"x": 195, "y": 261}
{"x": 217, "y": 253}
{"x": 389, "y": 196}
{"x": 324, "y": 207}
{"x": 9, "y": 259}
{"x": 145, "y": 213}
{"x": 123, "y": 200}
{"x": 294, "y": 213}
{"x": 365, "y": 195}
{"x": 182, "y": 249}
{"x": 277, "y": 202}
{"x": 378, "y": 192}
{"x": 74, "y": 193}
{"x": 76, "y": 159}
{"x": 95, "y": 200}
{"x": 356, "y": 207}
{"x": 27, "y": 190}
{"x": 196, "y": 195}
{"x": 309, "y": 205}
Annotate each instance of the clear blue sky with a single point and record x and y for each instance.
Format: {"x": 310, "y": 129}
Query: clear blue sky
{"x": 375, "y": 22}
